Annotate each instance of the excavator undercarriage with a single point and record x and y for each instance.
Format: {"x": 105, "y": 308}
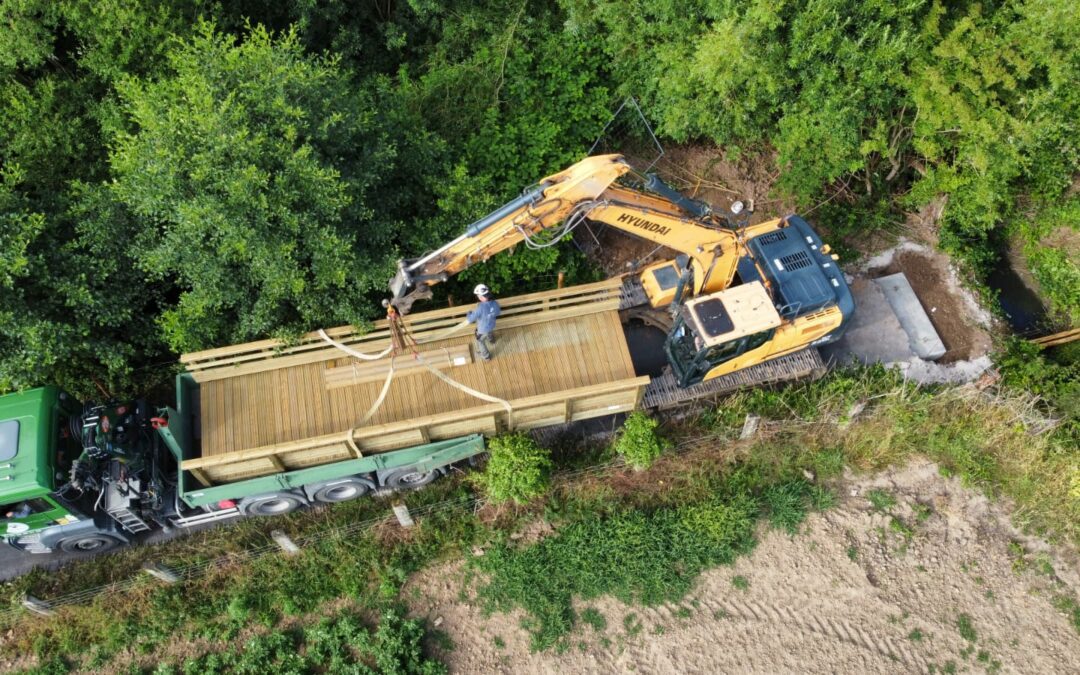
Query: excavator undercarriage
{"x": 664, "y": 392}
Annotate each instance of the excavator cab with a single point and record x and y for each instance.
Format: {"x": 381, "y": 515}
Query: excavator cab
{"x": 712, "y": 330}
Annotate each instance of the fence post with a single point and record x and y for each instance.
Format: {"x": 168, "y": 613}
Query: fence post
{"x": 159, "y": 571}
{"x": 403, "y": 517}
{"x": 36, "y": 606}
{"x": 749, "y": 427}
{"x": 287, "y": 545}
{"x": 561, "y": 279}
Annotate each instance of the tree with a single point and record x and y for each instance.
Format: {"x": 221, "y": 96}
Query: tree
{"x": 255, "y": 170}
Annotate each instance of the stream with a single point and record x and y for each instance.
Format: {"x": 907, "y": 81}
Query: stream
{"x": 1023, "y": 309}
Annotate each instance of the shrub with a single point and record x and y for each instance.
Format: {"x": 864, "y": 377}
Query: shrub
{"x": 519, "y": 469}
{"x": 639, "y": 444}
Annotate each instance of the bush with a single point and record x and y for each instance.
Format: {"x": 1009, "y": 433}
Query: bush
{"x": 639, "y": 444}
{"x": 519, "y": 469}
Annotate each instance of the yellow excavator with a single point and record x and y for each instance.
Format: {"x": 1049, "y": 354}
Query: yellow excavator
{"x": 738, "y": 295}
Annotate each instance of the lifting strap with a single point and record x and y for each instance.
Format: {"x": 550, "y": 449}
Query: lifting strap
{"x": 400, "y": 340}
{"x": 352, "y": 352}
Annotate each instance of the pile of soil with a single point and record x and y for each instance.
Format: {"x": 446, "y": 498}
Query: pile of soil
{"x": 939, "y": 576}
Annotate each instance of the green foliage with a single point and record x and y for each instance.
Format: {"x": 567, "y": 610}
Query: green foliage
{"x": 519, "y": 469}
{"x": 642, "y": 555}
{"x": 966, "y": 628}
{"x": 1025, "y": 366}
{"x": 638, "y": 443}
{"x": 340, "y": 645}
{"x": 167, "y": 185}
{"x": 592, "y": 617}
{"x": 1051, "y": 241}
{"x": 234, "y": 157}
{"x": 881, "y": 500}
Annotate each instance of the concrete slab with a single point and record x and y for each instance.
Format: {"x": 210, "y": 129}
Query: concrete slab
{"x": 874, "y": 334}
{"x": 922, "y": 336}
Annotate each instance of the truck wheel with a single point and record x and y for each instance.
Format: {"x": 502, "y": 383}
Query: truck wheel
{"x": 270, "y": 505}
{"x": 88, "y": 543}
{"x": 340, "y": 490}
{"x": 408, "y": 479}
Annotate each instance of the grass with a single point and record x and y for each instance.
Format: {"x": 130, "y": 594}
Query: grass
{"x": 881, "y": 500}
{"x": 740, "y": 583}
{"x": 640, "y": 555}
{"x": 966, "y": 628}
{"x": 915, "y": 635}
{"x": 592, "y": 617}
{"x": 981, "y": 437}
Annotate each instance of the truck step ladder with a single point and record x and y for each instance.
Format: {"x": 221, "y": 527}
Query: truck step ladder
{"x": 118, "y": 506}
{"x": 663, "y": 392}
{"x": 31, "y": 543}
{"x": 128, "y": 520}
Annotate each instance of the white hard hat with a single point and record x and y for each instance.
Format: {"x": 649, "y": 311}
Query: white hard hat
{"x": 481, "y": 289}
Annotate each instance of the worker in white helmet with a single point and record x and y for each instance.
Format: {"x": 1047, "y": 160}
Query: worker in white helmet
{"x": 484, "y": 318}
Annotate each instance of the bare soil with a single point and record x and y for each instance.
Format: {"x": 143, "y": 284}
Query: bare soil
{"x": 859, "y": 590}
{"x": 938, "y": 290}
{"x": 710, "y": 173}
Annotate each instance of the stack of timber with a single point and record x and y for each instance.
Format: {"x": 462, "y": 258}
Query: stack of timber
{"x": 266, "y": 407}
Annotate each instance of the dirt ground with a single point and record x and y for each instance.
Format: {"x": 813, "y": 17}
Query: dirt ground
{"x": 957, "y": 318}
{"x": 859, "y": 590}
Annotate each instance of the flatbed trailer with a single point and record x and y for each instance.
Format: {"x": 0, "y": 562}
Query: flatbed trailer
{"x": 264, "y": 408}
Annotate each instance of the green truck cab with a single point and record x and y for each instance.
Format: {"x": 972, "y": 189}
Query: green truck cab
{"x": 83, "y": 478}
{"x": 36, "y": 452}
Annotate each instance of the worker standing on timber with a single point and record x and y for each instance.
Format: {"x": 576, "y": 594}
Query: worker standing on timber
{"x": 484, "y": 318}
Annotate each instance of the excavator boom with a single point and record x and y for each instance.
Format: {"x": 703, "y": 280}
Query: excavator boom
{"x": 560, "y": 198}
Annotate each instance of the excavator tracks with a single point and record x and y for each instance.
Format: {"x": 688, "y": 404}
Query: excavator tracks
{"x": 663, "y": 392}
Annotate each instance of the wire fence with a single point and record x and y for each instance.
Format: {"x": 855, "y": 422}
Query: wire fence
{"x": 195, "y": 570}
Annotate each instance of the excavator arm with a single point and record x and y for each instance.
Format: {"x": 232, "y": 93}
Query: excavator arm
{"x": 587, "y": 189}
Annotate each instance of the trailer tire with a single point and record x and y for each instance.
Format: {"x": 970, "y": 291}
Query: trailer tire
{"x": 339, "y": 490}
{"x": 273, "y": 504}
{"x": 409, "y": 479}
{"x": 93, "y": 542}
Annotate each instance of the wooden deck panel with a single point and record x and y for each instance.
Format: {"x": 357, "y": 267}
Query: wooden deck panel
{"x": 293, "y": 403}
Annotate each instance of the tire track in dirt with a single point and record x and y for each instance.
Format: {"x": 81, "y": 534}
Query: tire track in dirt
{"x": 798, "y": 622}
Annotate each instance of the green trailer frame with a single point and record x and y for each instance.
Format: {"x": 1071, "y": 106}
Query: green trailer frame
{"x": 178, "y": 438}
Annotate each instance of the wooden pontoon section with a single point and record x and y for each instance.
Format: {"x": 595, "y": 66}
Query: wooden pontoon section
{"x": 266, "y": 407}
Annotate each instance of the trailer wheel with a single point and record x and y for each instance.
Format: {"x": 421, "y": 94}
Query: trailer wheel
{"x": 408, "y": 479}
{"x": 89, "y": 543}
{"x": 340, "y": 490}
{"x": 273, "y": 504}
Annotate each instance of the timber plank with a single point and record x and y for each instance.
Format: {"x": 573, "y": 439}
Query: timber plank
{"x": 441, "y": 318}
{"x": 254, "y": 361}
{"x": 543, "y": 363}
